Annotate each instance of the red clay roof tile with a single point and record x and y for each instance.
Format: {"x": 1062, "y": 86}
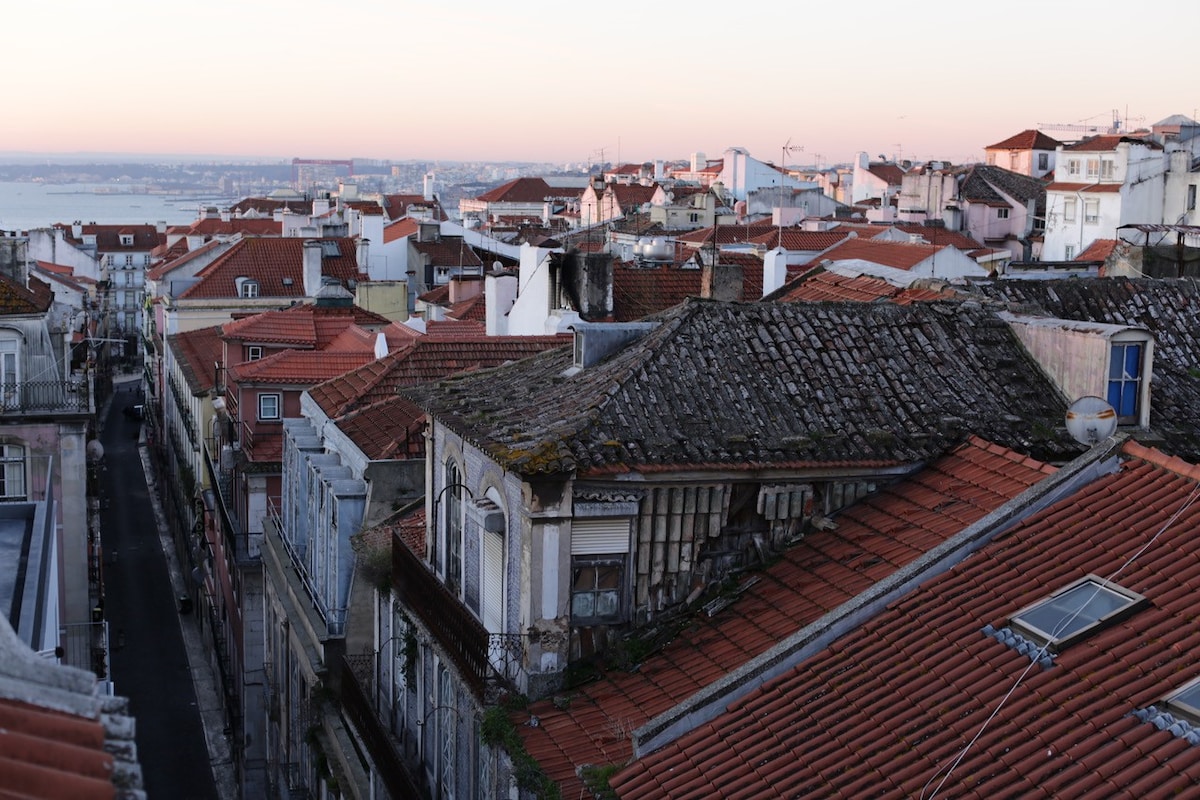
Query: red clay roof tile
{"x": 800, "y": 588}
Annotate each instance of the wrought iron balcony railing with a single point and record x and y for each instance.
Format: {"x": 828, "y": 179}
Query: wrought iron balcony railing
{"x": 27, "y": 397}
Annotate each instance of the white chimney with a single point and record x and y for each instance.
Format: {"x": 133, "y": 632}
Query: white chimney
{"x": 362, "y": 255}
{"x": 312, "y": 267}
{"x": 427, "y": 187}
{"x": 499, "y": 294}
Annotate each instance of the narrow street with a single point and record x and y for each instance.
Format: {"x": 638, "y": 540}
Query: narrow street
{"x": 149, "y": 659}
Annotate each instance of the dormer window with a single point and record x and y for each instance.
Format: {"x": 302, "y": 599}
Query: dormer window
{"x": 126, "y": 240}
{"x": 246, "y": 288}
{"x": 254, "y": 353}
{"x": 1076, "y": 611}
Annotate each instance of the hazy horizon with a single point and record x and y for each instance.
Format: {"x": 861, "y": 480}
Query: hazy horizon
{"x": 542, "y": 83}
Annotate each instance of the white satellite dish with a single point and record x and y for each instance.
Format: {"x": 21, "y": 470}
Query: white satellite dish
{"x": 1090, "y": 420}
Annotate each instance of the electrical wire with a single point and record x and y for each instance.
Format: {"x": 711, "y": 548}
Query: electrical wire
{"x": 1188, "y": 502}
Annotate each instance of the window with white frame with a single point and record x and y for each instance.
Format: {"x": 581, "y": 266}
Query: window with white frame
{"x": 1125, "y": 375}
{"x": 1069, "y": 252}
{"x": 1073, "y": 166}
{"x": 1107, "y": 169}
{"x": 1091, "y": 211}
{"x": 12, "y": 472}
{"x": 1191, "y": 197}
{"x": 492, "y": 529}
{"x": 129, "y": 260}
{"x": 1093, "y": 168}
{"x": 248, "y": 289}
{"x": 254, "y": 352}
{"x": 1043, "y": 161}
{"x": 10, "y": 373}
{"x": 269, "y": 406}
{"x": 1001, "y": 213}
{"x": 1070, "y": 209}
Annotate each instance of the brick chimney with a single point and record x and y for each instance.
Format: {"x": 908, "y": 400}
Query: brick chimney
{"x": 721, "y": 282}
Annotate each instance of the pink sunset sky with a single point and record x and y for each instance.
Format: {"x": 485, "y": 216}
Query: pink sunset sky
{"x": 571, "y": 83}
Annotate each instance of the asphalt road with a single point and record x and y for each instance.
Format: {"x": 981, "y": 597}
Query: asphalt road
{"x": 149, "y": 661}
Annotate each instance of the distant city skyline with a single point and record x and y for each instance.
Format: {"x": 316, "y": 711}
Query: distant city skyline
{"x": 539, "y": 82}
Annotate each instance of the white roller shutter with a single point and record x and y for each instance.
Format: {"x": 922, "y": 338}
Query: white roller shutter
{"x": 599, "y": 536}
{"x": 493, "y": 582}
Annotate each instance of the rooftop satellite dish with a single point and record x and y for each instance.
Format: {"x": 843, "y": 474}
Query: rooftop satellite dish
{"x": 1091, "y": 420}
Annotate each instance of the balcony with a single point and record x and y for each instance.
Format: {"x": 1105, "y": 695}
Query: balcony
{"x": 481, "y": 658}
{"x": 262, "y": 443}
{"x": 386, "y": 756}
{"x": 46, "y": 397}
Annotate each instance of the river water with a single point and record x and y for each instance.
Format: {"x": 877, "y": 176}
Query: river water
{"x": 36, "y": 205}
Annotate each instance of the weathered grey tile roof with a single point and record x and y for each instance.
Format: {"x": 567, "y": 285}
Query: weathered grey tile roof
{"x": 753, "y": 385}
{"x": 1168, "y": 308}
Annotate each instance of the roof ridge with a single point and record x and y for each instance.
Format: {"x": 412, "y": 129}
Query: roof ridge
{"x": 1158, "y": 458}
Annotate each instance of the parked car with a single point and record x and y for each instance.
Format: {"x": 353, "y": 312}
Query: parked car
{"x": 135, "y": 411}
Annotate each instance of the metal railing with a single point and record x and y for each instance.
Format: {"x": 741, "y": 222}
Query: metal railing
{"x": 31, "y": 396}
{"x": 335, "y": 618}
{"x": 363, "y": 714}
{"x": 85, "y": 645}
{"x": 460, "y": 635}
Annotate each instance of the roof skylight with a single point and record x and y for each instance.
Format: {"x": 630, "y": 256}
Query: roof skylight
{"x": 1076, "y": 611}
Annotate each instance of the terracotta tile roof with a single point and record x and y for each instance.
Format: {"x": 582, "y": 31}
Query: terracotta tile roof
{"x": 270, "y": 261}
{"x": 726, "y": 234}
{"x": 630, "y": 197}
{"x": 1166, "y": 308}
{"x": 473, "y": 309}
{"x": 389, "y": 429}
{"x": 899, "y": 255}
{"x": 448, "y": 251}
{"x": 1108, "y": 142}
{"x": 454, "y": 329}
{"x": 823, "y": 286}
{"x": 891, "y": 174}
{"x": 520, "y": 190}
{"x": 873, "y": 539}
{"x": 639, "y": 292}
{"x": 405, "y": 226}
{"x": 409, "y": 528}
{"x": 60, "y": 736}
{"x": 1098, "y": 250}
{"x": 893, "y": 704}
{"x": 397, "y": 206}
{"x": 940, "y": 237}
{"x": 181, "y": 258}
{"x": 1026, "y": 140}
{"x": 250, "y": 226}
{"x": 437, "y": 296}
{"x": 108, "y": 237}
{"x": 301, "y": 326}
{"x": 795, "y": 239}
{"x": 300, "y": 367}
{"x": 198, "y": 352}
{"x": 17, "y": 299}
{"x": 426, "y": 358}
{"x": 883, "y": 384}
